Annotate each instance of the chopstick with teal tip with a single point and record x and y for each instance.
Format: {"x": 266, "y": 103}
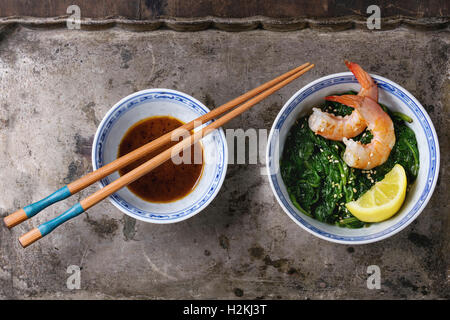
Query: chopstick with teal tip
{"x": 94, "y": 176}
{"x": 47, "y": 227}
{"x": 31, "y": 210}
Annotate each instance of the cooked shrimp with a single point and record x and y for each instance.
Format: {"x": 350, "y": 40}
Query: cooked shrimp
{"x": 336, "y": 127}
{"x": 368, "y": 86}
{"x": 375, "y": 153}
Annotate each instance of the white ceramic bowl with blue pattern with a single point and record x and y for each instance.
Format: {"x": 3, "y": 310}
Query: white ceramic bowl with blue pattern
{"x": 160, "y": 102}
{"x": 398, "y": 99}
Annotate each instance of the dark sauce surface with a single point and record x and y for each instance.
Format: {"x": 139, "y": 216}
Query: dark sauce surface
{"x": 168, "y": 182}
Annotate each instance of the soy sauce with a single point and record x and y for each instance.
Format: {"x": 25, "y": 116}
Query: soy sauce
{"x": 169, "y": 181}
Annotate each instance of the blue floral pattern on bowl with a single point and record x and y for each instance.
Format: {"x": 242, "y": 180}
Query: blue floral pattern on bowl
{"x": 134, "y": 101}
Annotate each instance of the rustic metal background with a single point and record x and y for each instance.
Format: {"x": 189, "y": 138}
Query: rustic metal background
{"x": 57, "y": 84}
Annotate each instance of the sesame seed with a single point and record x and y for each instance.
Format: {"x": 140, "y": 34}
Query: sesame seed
{"x": 354, "y": 189}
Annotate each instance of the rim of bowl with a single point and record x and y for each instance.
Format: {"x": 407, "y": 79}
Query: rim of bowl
{"x": 188, "y": 97}
{"x": 402, "y": 223}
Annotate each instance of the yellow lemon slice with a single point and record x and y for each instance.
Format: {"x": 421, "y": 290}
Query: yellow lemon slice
{"x": 383, "y": 200}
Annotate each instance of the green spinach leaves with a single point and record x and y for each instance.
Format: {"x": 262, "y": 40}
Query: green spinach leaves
{"x": 318, "y": 180}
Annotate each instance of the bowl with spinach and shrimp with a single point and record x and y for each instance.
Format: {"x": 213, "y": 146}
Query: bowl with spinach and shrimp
{"x": 312, "y": 182}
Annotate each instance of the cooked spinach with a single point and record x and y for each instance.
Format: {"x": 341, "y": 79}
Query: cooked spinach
{"x": 318, "y": 180}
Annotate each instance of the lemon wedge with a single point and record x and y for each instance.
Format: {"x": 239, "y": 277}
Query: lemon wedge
{"x": 383, "y": 200}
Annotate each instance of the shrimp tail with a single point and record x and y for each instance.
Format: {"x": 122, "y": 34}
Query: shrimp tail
{"x": 368, "y": 86}
{"x": 348, "y": 99}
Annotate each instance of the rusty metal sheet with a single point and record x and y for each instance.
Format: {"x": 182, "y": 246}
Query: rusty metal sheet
{"x": 57, "y": 84}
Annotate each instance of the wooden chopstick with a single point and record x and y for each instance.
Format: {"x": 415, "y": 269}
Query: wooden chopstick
{"x": 94, "y": 176}
{"x": 47, "y": 227}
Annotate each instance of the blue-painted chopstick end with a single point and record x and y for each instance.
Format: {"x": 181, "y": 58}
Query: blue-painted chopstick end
{"x": 34, "y": 208}
{"x": 49, "y": 226}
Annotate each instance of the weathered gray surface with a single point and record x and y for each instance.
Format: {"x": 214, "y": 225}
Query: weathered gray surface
{"x": 57, "y": 85}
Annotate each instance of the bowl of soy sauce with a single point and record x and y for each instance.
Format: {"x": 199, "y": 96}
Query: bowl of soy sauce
{"x": 180, "y": 187}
